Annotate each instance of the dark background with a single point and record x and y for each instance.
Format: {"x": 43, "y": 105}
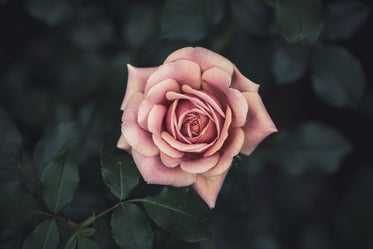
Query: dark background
{"x": 65, "y": 60}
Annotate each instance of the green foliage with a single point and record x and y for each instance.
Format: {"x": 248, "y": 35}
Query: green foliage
{"x": 87, "y": 232}
{"x": 10, "y": 144}
{"x": 337, "y": 76}
{"x": 343, "y": 19}
{"x": 16, "y": 204}
{"x": 131, "y": 228}
{"x": 180, "y": 212}
{"x": 310, "y": 147}
{"x": 253, "y": 16}
{"x": 44, "y": 236}
{"x": 85, "y": 243}
{"x": 300, "y": 21}
{"x": 189, "y": 20}
{"x": 52, "y": 12}
{"x": 59, "y": 181}
{"x": 119, "y": 173}
{"x": 67, "y": 135}
{"x": 289, "y": 64}
{"x": 71, "y": 242}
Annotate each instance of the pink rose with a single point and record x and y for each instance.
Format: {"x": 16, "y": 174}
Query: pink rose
{"x": 184, "y": 121}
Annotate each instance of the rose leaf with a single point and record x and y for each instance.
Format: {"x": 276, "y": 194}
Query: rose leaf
{"x": 119, "y": 173}
{"x": 85, "y": 243}
{"x": 300, "y": 21}
{"x": 65, "y": 135}
{"x": 16, "y": 204}
{"x": 130, "y": 227}
{"x": 59, "y": 181}
{"x": 337, "y": 76}
{"x": 181, "y": 212}
{"x": 45, "y": 235}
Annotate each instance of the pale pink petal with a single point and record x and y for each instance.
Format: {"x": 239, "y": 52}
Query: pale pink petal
{"x": 155, "y": 95}
{"x": 208, "y": 187}
{"x": 258, "y": 125}
{"x": 203, "y": 57}
{"x": 136, "y": 82}
{"x": 217, "y": 78}
{"x": 171, "y": 117}
{"x": 223, "y": 134}
{"x": 243, "y": 84}
{"x": 154, "y": 172}
{"x": 230, "y": 148}
{"x": 156, "y": 116}
{"x": 205, "y": 97}
{"x": 169, "y": 161}
{"x": 200, "y": 165}
{"x": 138, "y": 138}
{"x": 239, "y": 106}
{"x": 197, "y": 148}
{"x": 122, "y": 143}
{"x": 183, "y": 71}
{"x": 196, "y": 101}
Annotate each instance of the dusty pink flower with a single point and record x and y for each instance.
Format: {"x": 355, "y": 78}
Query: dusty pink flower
{"x": 184, "y": 121}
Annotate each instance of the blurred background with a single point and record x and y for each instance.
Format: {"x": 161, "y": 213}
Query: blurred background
{"x": 308, "y": 186}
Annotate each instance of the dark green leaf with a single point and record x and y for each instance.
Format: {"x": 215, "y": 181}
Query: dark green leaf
{"x": 52, "y": 12}
{"x": 189, "y": 20}
{"x": 289, "y": 64}
{"x": 59, "y": 182}
{"x": 337, "y": 76}
{"x": 85, "y": 243}
{"x": 310, "y": 147}
{"x": 16, "y": 204}
{"x": 181, "y": 212}
{"x": 44, "y": 236}
{"x": 343, "y": 19}
{"x": 119, "y": 172}
{"x": 131, "y": 228}
{"x": 71, "y": 242}
{"x": 87, "y": 232}
{"x": 10, "y": 143}
{"x": 253, "y": 16}
{"x": 300, "y": 21}
{"x": 65, "y": 135}
{"x": 139, "y": 30}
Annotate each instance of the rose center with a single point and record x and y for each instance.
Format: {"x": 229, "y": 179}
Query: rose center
{"x": 191, "y": 126}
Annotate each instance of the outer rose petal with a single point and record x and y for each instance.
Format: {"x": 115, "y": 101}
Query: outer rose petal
{"x": 208, "y": 187}
{"x": 231, "y": 148}
{"x": 203, "y": 57}
{"x": 200, "y": 165}
{"x": 122, "y": 143}
{"x": 258, "y": 125}
{"x": 242, "y": 83}
{"x": 138, "y": 138}
{"x": 154, "y": 172}
{"x": 137, "y": 78}
{"x": 183, "y": 71}
{"x": 168, "y": 161}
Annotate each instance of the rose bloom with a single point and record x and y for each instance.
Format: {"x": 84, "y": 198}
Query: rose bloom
{"x": 184, "y": 121}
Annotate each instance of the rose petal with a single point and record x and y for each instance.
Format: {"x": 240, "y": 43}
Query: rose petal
{"x": 223, "y": 134}
{"x": 208, "y": 187}
{"x": 136, "y": 82}
{"x": 239, "y": 106}
{"x": 203, "y": 57}
{"x": 231, "y": 148}
{"x": 183, "y": 71}
{"x": 122, "y": 143}
{"x": 258, "y": 125}
{"x": 138, "y": 138}
{"x": 217, "y": 78}
{"x": 155, "y": 95}
{"x": 155, "y": 120}
{"x": 243, "y": 84}
{"x": 197, "y": 148}
{"x": 154, "y": 172}
{"x": 168, "y": 161}
{"x": 206, "y": 97}
{"x": 200, "y": 165}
